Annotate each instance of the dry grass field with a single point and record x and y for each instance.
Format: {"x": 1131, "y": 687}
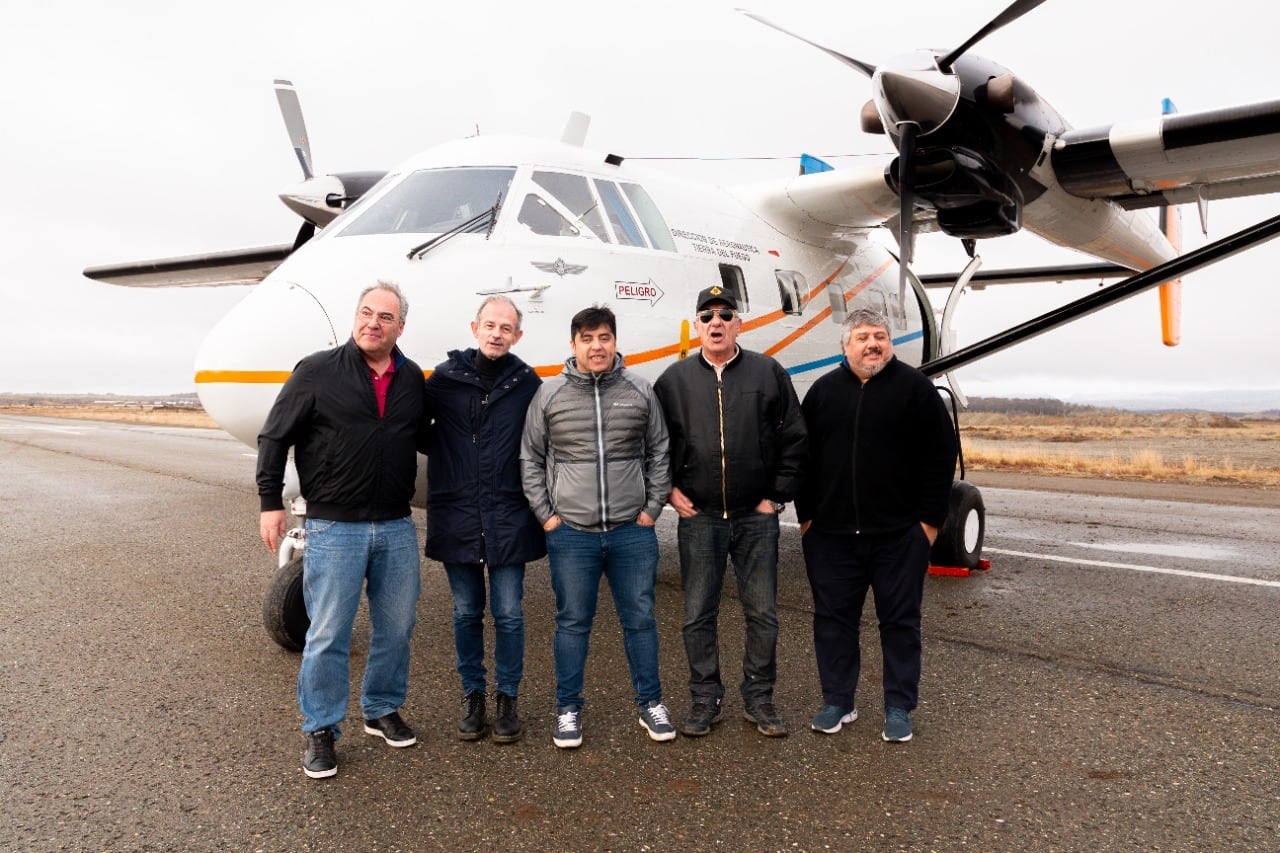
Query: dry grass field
{"x": 130, "y": 414}
{"x": 1193, "y": 448}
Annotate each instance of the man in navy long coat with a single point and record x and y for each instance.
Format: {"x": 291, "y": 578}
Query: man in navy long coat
{"x": 477, "y": 515}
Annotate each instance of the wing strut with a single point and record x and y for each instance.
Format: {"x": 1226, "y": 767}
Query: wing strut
{"x": 1135, "y": 284}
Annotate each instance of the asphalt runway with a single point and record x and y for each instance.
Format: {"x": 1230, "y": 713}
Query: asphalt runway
{"x": 1111, "y": 684}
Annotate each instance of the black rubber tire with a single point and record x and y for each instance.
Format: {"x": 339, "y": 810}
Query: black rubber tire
{"x": 959, "y": 542}
{"x": 284, "y": 613}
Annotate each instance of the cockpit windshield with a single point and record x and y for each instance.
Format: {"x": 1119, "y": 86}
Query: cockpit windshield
{"x": 433, "y": 201}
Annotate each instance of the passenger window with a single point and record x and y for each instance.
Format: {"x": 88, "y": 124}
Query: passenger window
{"x": 625, "y": 228}
{"x": 791, "y": 287}
{"x": 541, "y": 218}
{"x": 731, "y": 279}
{"x": 654, "y": 225}
{"x": 575, "y": 194}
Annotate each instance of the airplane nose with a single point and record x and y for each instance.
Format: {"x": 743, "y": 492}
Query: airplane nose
{"x": 249, "y": 354}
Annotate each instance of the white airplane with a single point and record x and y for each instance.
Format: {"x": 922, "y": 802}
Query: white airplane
{"x": 558, "y": 227}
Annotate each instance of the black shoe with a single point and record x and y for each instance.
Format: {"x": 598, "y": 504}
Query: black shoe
{"x": 768, "y": 721}
{"x": 701, "y": 717}
{"x": 392, "y": 729}
{"x": 472, "y": 726}
{"x": 319, "y": 761}
{"x": 507, "y": 728}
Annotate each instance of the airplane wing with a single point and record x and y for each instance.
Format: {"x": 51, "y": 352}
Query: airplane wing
{"x": 1174, "y": 159}
{"x": 216, "y": 269}
{"x": 826, "y": 208}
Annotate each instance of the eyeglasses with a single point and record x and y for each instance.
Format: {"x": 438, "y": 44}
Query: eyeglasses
{"x": 725, "y": 314}
{"x": 386, "y": 318}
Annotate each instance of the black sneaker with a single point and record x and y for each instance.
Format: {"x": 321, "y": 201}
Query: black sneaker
{"x": 392, "y": 729}
{"x": 319, "y": 761}
{"x": 704, "y": 714}
{"x": 507, "y": 728}
{"x": 472, "y": 725}
{"x": 768, "y": 721}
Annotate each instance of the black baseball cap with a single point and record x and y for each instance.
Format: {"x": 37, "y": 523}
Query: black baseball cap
{"x": 715, "y": 293}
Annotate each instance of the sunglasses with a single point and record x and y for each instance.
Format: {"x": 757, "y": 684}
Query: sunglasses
{"x": 725, "y": 314}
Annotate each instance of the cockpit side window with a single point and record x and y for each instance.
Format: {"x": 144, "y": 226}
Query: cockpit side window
{"x": 625, "y": 228}
{"x": 541, "y": 218}
{"x": 432, "y": 201}
{"x": 575, "y": 194}
{"x": 654, "y": 225}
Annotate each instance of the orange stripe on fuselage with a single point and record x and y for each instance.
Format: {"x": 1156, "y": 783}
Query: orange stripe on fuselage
{"x": 547, "y": 370}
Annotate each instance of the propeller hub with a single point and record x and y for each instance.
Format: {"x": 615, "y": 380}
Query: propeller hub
{"x": 911, "y": 89}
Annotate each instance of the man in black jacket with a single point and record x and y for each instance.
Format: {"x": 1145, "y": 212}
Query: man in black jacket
{"x": 477, "y": 515}
{"x": 882, "y": 455}
{"x": 353, "y": 417}
{"x": 737, "y": 447}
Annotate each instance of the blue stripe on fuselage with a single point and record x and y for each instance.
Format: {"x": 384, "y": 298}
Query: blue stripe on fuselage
{"x": 835, "y": 359}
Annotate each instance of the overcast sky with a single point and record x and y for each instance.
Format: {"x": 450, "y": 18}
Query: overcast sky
{"x": 136, "y": 130}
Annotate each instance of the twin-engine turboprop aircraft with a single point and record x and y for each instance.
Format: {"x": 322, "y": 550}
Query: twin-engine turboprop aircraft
{"x": 558, "y": 227}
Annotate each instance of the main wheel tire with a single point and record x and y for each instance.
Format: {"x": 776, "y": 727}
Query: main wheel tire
{"x": 284, "y": 613}
{"x": 959, "y": 542}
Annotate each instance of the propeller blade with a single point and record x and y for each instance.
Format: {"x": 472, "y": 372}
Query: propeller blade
{"x": 906, "y": 202}
{"x": 1014, "y": 11}
{"x": 866, "y": 68}
{"x": 305, "y": 233}
{"x": 291, "y": 109}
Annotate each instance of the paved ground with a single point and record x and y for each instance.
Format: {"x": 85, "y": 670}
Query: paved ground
{"x": 1072, "y": 698}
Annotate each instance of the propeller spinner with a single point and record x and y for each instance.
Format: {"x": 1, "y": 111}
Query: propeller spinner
{"x": 916, "y": 95}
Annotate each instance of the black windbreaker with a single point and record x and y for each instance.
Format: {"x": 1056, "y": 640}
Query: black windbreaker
{"x": 736, "y": 439}
{"x": 353, "y": 465}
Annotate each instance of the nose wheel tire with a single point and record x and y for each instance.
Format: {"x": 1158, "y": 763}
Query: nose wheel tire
{"x": 284, "y": 613}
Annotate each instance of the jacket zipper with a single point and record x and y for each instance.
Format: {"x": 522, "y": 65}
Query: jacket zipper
{"x": 724, "y": 470}
{"x": 600, "y": 453}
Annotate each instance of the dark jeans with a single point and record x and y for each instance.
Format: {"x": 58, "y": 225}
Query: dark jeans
{"x": 706, "y": 544}
{"x": 841, "y": 569}
{"x": 506, "y": 591}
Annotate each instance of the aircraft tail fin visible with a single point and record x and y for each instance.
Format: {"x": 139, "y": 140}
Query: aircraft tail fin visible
{"x": 1171, "y": 291}
{"x": 811, "y": 165}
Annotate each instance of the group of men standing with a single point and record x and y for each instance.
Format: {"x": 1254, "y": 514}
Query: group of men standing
{"x": 579, "y": 470}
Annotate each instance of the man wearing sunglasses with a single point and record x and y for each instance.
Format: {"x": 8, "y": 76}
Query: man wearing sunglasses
{"x": 737, "y": 446}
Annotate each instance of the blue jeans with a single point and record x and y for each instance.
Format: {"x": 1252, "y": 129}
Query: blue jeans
{"x": 706, "y": 544}
{"x": 339, "y": 558}
{"x": 506, "y": 591}
{"x": 628, "y": 557}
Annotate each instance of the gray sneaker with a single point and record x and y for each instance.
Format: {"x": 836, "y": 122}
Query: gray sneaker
{"x": 567, "y": 733}
{"x": 897, "y": 725}
{"x": 655, "y": 719}
{"x": 832, "y": 718}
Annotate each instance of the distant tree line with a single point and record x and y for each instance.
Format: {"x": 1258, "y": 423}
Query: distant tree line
{"x": 1034, "y": 406}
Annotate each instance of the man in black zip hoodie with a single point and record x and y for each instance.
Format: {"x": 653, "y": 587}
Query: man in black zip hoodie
{"x": 882, "y": 455}
{"x": 353, "y": 416}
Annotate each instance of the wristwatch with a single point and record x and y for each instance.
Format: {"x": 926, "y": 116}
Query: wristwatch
{"x": 778, "y": 506}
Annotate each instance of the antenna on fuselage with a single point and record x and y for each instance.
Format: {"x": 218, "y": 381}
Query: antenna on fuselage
{"x": 575, "y": 129}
